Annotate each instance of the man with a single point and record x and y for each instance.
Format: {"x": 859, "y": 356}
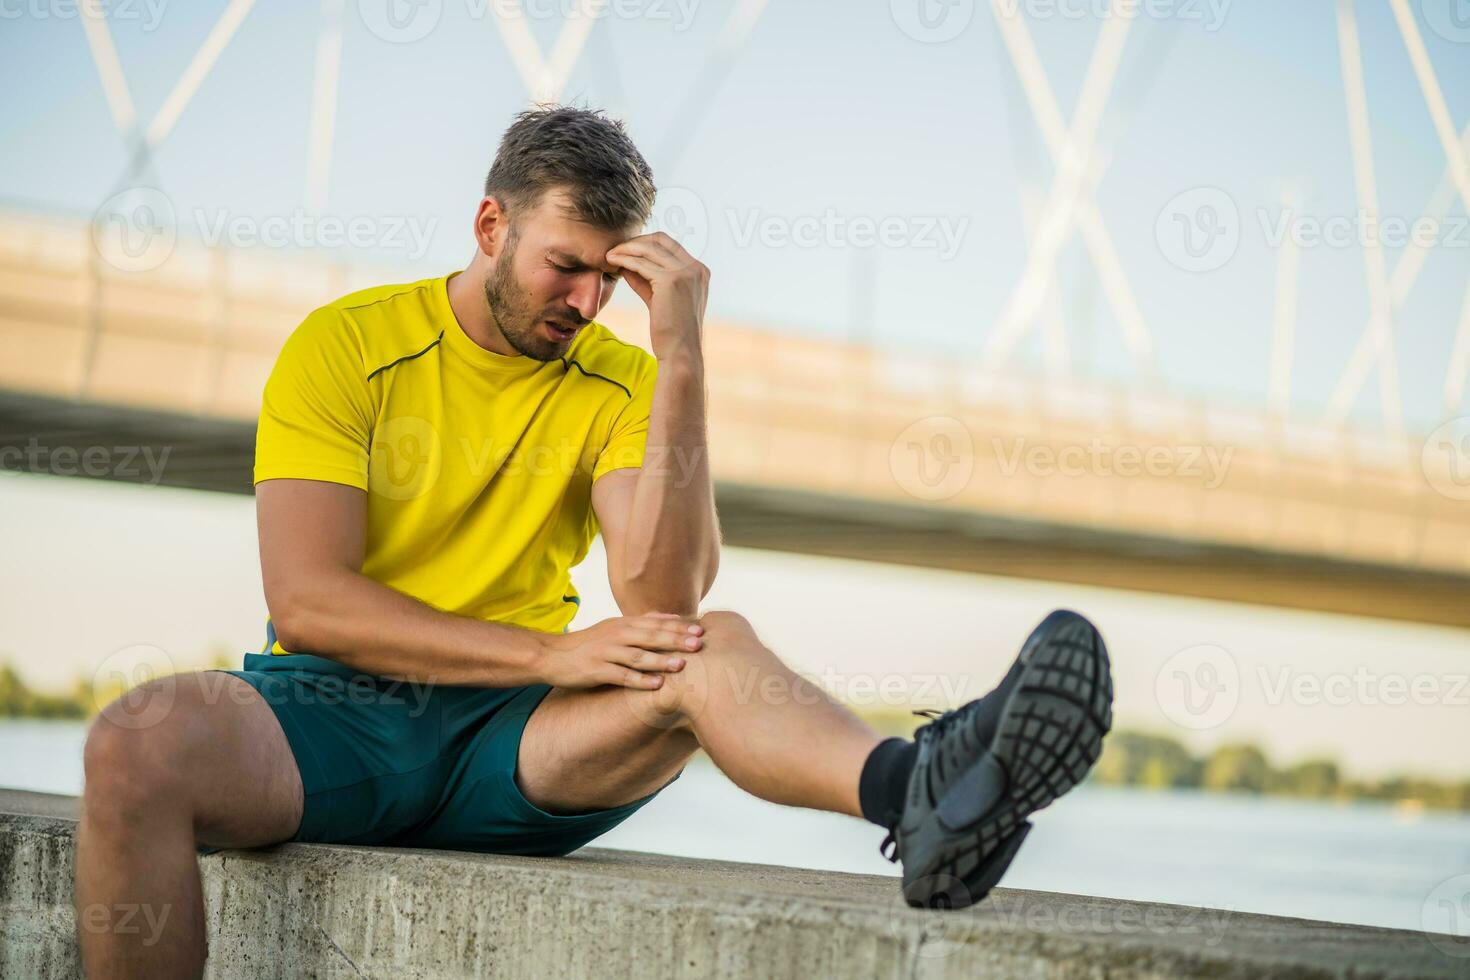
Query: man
{"x": 432, "y": 459}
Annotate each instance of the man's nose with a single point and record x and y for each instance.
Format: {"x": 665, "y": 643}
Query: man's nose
{"x": 586, "y": 295}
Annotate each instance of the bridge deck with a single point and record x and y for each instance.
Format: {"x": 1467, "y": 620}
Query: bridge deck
{"x": 818, "y": 446}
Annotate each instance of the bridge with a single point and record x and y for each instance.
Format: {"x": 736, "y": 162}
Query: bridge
{"x": 155, "y": 376}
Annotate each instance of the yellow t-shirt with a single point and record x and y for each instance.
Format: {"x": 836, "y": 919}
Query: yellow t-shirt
{"x": 478, "y": 467}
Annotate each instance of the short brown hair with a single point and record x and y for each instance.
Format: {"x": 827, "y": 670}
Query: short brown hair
{"x": 579, "y": 150}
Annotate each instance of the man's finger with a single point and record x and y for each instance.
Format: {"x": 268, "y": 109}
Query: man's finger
{"x": 627, "y": 677}
{"x": 671, "y": 245}
{"x": 662, "y": 639}
{"x": 656, "y": 243}
{"x": 659, "y": 620}
{"x": 654, "y": 251}
{"x": 646, "y": 661}
{"x": 630, "y": 260}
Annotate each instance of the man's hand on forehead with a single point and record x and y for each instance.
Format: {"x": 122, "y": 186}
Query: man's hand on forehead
{"x": 673, "y": 283}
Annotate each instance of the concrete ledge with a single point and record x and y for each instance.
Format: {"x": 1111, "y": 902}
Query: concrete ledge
{"x": 313, "y": 910}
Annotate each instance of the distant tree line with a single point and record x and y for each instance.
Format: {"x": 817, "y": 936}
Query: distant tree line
{"x": 1150, "y": 761}
{"x": 1159, "y": 762}
{"x": 1129, "y": 758}
{"x": 82, "y": 700}
{"x": 17, "y": 700}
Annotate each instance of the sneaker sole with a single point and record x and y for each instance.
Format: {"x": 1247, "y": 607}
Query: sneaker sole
{"x": 1048, "y": 738}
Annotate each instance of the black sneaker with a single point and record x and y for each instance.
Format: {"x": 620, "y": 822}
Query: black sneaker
{"x": 982, "y": 769}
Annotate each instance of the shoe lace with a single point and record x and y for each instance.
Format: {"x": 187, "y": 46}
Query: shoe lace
{"x": 938, "y": 722}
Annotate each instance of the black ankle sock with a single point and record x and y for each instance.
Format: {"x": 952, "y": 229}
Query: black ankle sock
{"x": 885, "y": 781}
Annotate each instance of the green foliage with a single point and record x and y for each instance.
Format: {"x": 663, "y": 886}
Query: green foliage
{"x": 1152, "y": 761}
{"x": 19, "y": 700}
{"x": 1159, "y": 762}
{"x": 1313, "y": 779}
{"x": 1236, "y": 768}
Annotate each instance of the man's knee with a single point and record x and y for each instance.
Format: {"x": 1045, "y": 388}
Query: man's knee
{"x": 731, "y": 664}
{"x": 137, "y": 750}
{"x": 723, "y": 629}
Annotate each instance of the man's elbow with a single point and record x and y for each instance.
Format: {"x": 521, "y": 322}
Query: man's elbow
{"x": 712, "y": 568}
{"x": 288, "y": 627}
{"x": 295, "y": 619}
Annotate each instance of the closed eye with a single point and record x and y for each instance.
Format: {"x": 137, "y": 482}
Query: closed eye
{"x": 570, "y": 269}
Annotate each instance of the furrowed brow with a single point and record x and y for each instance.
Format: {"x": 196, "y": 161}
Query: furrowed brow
{"x": 570, "y": 261}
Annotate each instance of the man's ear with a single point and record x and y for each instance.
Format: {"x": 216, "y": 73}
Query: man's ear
{"x": 491, "y": 226}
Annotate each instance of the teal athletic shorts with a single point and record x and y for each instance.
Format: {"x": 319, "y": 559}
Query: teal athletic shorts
{"x": 413, "y": 765}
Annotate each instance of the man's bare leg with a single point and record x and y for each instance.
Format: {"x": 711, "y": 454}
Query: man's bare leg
{"x": 195, "y": 757}
{"x": 775, "y": 734}
{"x": 987, "y": 765}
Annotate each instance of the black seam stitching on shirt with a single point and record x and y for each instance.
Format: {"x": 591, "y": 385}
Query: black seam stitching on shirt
{"x": 407, "y": 357}
{"x": 409, "y": 288}
{"x": 620, "y": 343}
{"x": 569, "y": 363}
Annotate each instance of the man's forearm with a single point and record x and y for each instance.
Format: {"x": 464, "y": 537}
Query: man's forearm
{"x": 673, "y": 543}
{"x": 370, "y": 627}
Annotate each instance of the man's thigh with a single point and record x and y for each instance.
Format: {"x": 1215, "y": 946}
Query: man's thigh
{"x": 595, "y": 748}
{"x": 206, "y": 740}
{"x": 258, "y": 798}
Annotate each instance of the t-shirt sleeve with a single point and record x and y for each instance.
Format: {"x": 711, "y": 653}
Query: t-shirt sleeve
{"x": 625, "y": 444}
{"x": 316, "y": 414}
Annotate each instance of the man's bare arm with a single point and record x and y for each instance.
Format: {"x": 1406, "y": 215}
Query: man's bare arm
{"x": 312, "y": 543}
{"x": 659, "y": 522}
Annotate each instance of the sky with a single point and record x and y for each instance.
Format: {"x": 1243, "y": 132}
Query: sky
{"x": 832, "y": 117}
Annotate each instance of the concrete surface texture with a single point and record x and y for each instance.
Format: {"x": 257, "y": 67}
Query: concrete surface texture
{"x": 302, "y": 910}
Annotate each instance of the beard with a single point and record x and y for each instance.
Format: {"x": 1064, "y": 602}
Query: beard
{"x": 515, "y": 316}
